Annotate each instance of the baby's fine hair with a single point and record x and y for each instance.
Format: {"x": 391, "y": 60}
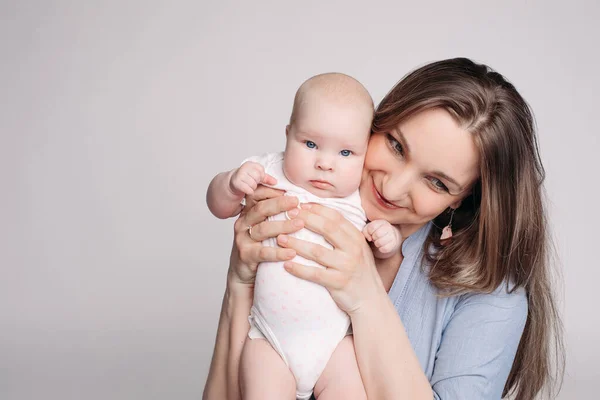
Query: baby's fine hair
{"x": 334, "y": 86}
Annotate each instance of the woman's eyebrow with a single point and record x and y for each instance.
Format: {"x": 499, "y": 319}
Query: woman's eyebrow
{"x": 442, "y": 175}
{"x": 402, "y": 140}
{"x": 449, "y": 179}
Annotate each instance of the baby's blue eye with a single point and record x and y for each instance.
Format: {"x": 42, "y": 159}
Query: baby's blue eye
{"x": 310, "y": 145}
{"x": 345, "y": 153}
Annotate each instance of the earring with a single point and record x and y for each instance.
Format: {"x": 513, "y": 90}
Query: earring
{"x": 447, "y": 231}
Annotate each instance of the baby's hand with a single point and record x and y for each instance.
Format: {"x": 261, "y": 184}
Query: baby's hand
{"x": 247, "y": 177}
{"x": 385, "y": 236}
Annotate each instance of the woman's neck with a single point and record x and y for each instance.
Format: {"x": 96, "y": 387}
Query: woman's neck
{"x": 408, "y": 229}
{"x": 388, "y": 267}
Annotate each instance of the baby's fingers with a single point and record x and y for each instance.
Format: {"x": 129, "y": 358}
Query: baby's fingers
{"x": 367, "y": 234}
{"x": 381, "y": 233}
{"x": 376, "y": 225}
{"x": 244, "y": 187}
{"x": 387, "y": 248}
{"x": 256, "y": 175}
{"x": 379, "y": 243}
{"x": 250, "y": 182}
{"x": 269, "y": 180}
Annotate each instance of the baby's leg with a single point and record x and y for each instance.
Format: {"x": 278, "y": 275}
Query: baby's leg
{"x": 263, "y": 373}
{"x": 341, "y": 377}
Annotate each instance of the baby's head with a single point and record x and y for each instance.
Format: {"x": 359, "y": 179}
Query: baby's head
{"x": 328, "y": 135}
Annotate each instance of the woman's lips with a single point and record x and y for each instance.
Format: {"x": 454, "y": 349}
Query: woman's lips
{"x": 381, "y": 200}
{"x": 321, "y": 184}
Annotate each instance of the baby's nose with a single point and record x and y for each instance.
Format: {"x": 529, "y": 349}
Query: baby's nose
{"x": 324, "y": 163}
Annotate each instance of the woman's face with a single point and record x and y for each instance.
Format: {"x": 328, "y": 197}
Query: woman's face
{"x": 417, "y": 170}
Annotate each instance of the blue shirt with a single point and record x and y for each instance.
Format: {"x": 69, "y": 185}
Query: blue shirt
{"x": 466, "y": 344}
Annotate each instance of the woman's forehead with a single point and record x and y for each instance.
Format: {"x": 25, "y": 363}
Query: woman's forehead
{"x": 435, "y": 142}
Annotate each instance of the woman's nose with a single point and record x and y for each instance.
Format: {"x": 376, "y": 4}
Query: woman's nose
{"x": 398, "y": 186}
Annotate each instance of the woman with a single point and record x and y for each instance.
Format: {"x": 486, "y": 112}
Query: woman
{"x": 471, "y": 317}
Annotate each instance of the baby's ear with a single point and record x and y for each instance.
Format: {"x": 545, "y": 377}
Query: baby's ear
{"x": 287, "y": 130}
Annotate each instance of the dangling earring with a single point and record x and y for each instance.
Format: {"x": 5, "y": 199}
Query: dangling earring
{"x": 447, "y": 231}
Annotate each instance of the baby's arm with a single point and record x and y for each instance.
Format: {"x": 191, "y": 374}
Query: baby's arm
{"x": 227, "y": 189}
{"x": 385, "y": 236}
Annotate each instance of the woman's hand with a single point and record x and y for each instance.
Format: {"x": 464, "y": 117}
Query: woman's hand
{"x": 350, "y": 274}
{"x": 248, "y": 251}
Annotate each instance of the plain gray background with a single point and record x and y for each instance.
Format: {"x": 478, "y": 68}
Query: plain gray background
{"x": 115, "y": 115}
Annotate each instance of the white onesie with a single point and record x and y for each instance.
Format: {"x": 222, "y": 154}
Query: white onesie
{"x": 299, "y": 318}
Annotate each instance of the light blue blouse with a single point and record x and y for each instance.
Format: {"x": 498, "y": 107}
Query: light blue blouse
{"x": 466, "y": 344}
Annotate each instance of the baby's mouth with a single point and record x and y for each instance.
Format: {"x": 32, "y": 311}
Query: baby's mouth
{"x": 319, "y": 184}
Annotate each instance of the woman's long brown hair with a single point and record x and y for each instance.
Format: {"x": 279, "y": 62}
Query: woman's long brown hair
{"x": 500, "y": 229}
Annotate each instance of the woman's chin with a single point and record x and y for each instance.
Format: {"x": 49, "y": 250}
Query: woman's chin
{"x": 405, "y": 224}
{"x": 374, "y": 213}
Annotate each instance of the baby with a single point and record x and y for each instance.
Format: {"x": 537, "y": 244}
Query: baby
{"x": 322, "y": 163}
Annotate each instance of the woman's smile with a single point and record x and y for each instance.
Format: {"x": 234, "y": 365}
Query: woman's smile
{"x": 382, "y": 201}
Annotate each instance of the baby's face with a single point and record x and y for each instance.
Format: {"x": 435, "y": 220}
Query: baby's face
{"x": 326, "y": 148}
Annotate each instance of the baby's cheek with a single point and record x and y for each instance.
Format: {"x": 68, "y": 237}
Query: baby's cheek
{"x": 293, "y": 167}
{"x": 350, "y": 178}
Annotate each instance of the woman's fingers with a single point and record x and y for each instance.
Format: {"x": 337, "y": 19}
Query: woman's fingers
{"x": 312, "y": 251}
{"x": 263, "y": 192}
{"x": 258, "y": 254}
{"x": 253, "y": 252}
{"x": 322, "y": 276}
{"x": 269, "y": 207}
{"x": 250, "y": 248}
{"x": 336, "y": 229}
{"x": 323, "y": 211}
{"x": 269, "y": 229}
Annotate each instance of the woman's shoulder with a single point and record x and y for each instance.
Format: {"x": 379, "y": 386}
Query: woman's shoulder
{"x": 479, "y": 343}
{"x": 506, "y": 300}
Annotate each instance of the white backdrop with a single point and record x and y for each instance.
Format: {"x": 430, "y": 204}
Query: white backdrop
{"x": 116, "y": 114}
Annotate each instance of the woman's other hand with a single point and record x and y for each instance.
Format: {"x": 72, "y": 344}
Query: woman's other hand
{"x": 350, "y": 274}
{"x": 248, "y": 251}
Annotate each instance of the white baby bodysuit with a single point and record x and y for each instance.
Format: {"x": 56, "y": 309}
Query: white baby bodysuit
{"x": 299, "y": 318}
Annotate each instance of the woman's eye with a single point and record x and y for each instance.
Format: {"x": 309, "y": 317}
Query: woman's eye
{"x": 439, "y": 185}
{"x": 310, "y": 145}
{"x": 394, "y": 144}
{"x": 345, "y": 153}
